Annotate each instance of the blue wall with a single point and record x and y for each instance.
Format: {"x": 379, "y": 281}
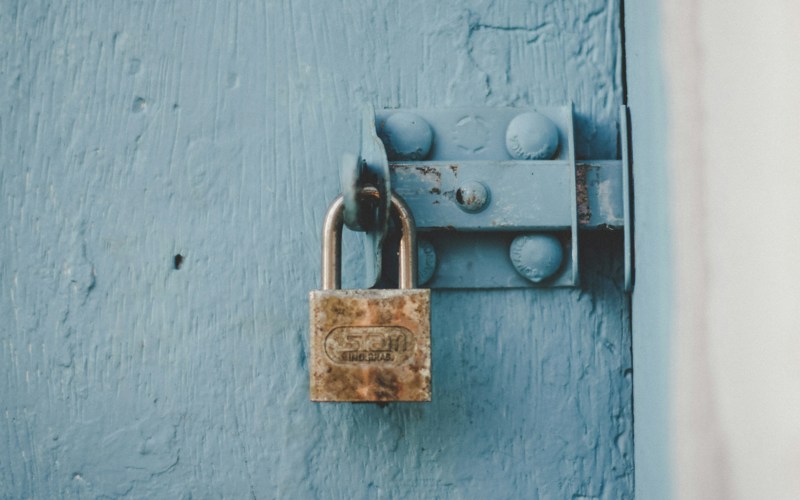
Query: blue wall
{"x": 131, "y": 132}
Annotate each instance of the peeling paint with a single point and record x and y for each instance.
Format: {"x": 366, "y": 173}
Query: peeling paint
{"x": 582, "y": 193}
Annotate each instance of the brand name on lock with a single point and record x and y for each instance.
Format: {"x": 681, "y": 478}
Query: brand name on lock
{"x": 368, "y": 344}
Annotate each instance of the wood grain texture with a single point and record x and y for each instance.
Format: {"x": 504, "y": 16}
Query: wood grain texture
{"x": 131, "y": 132}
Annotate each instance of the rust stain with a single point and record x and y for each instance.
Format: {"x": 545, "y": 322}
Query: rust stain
{"x": 378, "y": 345}
{"x": 429, "y": 171}
{"x": 582, "y": 191}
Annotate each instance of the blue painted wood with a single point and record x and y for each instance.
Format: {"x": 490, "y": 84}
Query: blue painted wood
{"x": 133, "y": 132}
{"x": 627, "y": 197}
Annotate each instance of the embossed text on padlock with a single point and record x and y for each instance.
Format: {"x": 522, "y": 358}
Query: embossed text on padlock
{"x": 369, "y": 345}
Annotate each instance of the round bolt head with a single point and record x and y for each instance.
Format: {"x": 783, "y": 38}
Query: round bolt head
{"x": 472, "y": 196}
{"x": 536, "y": 256}
{"x": 406, "y": 136}
{"x": 531, "y": 136}
{"x": 426, "y": 261}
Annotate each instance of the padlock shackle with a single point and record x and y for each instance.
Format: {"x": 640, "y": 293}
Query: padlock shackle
{"x": 332, "y": 243}
{"x": 407, "y": 270}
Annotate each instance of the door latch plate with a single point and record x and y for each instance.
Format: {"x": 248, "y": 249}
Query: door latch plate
{"x": 498, "y": 195}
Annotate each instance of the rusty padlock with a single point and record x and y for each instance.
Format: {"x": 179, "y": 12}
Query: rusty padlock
{"x": 370, "y": 345}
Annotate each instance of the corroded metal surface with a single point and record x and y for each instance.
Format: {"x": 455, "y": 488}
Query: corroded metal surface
{"x": 370, "y": 345}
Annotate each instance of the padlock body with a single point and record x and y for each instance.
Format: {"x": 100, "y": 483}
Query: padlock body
{"x": 370, "y": 345}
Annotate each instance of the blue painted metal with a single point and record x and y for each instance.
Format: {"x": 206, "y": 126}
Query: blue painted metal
{"x": 525, "y": 195}
{"x": 600, "y": 195}
{"x": 537, "y": 257}
{"x": 627, "y": 195}
{"x": 369, "y": 168}
{"x": 475, "y": 147}
{"x": 481, "y": 260}
{"x": 430, "y": 189}
{"x": 478, "y": 146}
{"x": 531, "y": 136}
{"x": 351, "y": 170}
{"x": 472, "y": 196}
{"x": 481, "y": 133}
{"x": 406, "y": 136}
{"x": 426, "y": 259}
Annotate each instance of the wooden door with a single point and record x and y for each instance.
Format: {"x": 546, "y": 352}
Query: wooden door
{"x": 165, "y": 171}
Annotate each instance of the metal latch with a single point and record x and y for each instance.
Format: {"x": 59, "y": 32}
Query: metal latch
{"x": 497, "y": 194}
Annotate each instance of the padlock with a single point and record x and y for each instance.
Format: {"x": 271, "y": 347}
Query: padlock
{"x": 370, "y": 345}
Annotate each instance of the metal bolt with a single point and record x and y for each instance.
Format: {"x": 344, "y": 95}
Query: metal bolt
{"x": 531, "y": 136}
{"x": 536, "y": 256}
{"x": 472, "y": 196}
{"x": 406, "y": 136}
{"x": 426, "y": 261}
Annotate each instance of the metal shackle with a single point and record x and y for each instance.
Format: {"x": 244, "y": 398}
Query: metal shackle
{"x": 332, "y": 243}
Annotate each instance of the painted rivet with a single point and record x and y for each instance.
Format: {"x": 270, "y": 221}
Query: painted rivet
{"x": 426, "y": 260}
{"x": 536, "y": 256}
{"x": 531, "y": 136}
{"x": 406, "y": 136}
{"x": 472, "y": 196}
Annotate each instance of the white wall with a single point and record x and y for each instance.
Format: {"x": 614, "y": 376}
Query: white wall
{"x": 733, "y": 85}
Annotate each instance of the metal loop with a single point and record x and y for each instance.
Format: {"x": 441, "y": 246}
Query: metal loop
{"x": 332, "y": 242}
{"x": 369, "y": 167}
